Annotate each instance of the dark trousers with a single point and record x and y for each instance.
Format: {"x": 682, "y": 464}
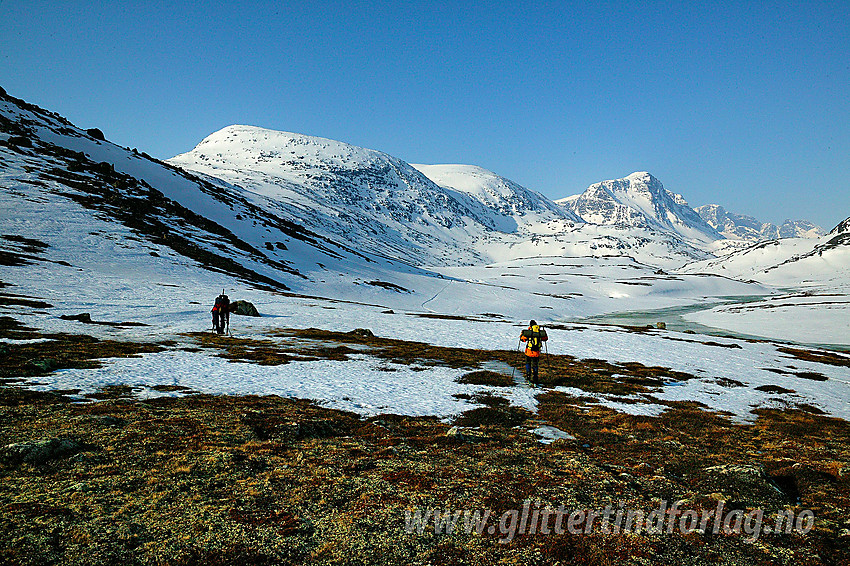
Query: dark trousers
{"x": 531, "y": 367}
{"x": 220, "y": 321}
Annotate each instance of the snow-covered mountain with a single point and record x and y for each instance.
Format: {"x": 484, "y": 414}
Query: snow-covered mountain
{"x": 294, "y": 212}
{"x": 176, "y": 216}
{"x": 435, "y": 215}
{"x": 315, "y": 215}
{"x": 742, "y": 227}
{"x": 843, "y": 226}
{"x": 640, "y": 201}
{"x": 498, "y": 193}
{"x": 365, "y": 197}
{"x": 788, "y": 262}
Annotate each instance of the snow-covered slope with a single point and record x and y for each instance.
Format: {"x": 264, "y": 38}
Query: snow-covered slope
{"x": 379, "y": 202}
{"x": 742, "y": 227}
{"x": 498, "y": 193}
{"x": 788, "y": 262}
{"x": 218, "y": 226}
{"x": 640, "y": 201}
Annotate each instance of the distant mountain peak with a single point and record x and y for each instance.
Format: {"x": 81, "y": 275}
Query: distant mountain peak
{"x": 244, "y": 145}
{"x": 644, "y": 176}
{"x": 742, "y": 227}
{"x": 640, "y": 201}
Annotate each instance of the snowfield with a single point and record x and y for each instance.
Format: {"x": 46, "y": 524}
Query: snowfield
{"x": 726, "y": 373}
{"x": 363, "y": 240}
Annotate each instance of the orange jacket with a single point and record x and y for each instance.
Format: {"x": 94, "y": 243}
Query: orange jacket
{"x": 528, "y": 333}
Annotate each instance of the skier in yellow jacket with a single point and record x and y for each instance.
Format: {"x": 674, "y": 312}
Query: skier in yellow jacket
{"x": 533, "y": 336}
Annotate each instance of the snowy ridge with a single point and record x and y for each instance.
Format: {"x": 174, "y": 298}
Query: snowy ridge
{"x": 497, "y": 193}
{"x": 739, "y": 226}
{"x": 361, "y": 195}
{"x": 843, "y": 226}
{"x": 641, "y": 201}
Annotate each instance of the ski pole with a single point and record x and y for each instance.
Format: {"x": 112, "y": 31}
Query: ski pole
{"x": 516, "y": 360}
{"x": 546, "y": 351}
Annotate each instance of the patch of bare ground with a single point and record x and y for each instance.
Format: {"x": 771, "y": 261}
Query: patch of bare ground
{"x": 822, "y": 357}
{"x": 58, "y": 351}
{"x": 267, "y": 352}
{"x": 486, "y": 377}
{"x": 264, "y": 480}
{"x": 732, "y": 345}
{"x": 813, "y": 375}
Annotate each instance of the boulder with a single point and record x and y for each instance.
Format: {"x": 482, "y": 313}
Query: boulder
{"x": 244, "y": 308}
{"x": 465, "y": 434}
{"x": 454, "y": 432}
{"x": 745, "y": 484}
{"x": 40, "y": 452}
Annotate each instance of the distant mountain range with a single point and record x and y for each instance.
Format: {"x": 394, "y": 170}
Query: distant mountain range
{"x": 823, "y": 261}
{"x": 741, "y": 227}
{"x": 287, "y": 210}
{"x": 640, "y": 200}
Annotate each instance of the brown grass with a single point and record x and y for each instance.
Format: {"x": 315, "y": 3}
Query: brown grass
{"x": 263, "y": 480}
{"x": 822, "y": 357}
{"x": 485, "y": 377}
{"x": 60, "y": 352}
{"x": 212, "y": 479}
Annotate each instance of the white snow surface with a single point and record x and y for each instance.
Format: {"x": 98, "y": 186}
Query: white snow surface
{"x": 370, "y": 386}
{"x": 497, "y": 281}
{"x": 815, "y": 271}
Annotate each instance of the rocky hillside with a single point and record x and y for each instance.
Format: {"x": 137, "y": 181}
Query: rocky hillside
{"x": 843, "y": 226}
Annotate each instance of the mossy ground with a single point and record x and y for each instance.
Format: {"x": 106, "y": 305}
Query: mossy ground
{"x": 264, "y": 480}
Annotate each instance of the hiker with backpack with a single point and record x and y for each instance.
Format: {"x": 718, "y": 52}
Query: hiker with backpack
{"x": 221, "y": 313}
{"x": 533, "y": 336}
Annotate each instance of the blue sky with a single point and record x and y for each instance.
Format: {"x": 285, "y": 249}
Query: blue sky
{"x": 746, "y": 104}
